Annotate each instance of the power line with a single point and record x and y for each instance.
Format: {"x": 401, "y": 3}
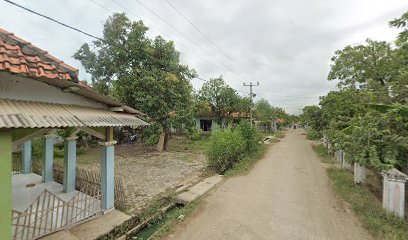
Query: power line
{"x": 52, "y": 19}
{"x": 198, "y": 30}
{"x": 155, "y": 29}
{"x": 181, "y": 33}
{"x": 66, "y": 25}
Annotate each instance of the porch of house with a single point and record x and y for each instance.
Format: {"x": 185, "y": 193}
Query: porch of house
{"x": 41, "y": 206}
{"x": 78, "y": 211}
{"x": 27, "y": 188}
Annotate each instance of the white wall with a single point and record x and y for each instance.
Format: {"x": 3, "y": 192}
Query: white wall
{"x": 22, "y": 88}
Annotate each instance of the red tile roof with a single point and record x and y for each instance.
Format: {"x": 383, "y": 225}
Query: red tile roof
{"x": 21, "y": 57}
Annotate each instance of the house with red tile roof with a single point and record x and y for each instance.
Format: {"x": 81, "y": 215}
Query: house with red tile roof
{"x": 38, "y": 95}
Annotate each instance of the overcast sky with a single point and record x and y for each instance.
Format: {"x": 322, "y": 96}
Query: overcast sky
{"x": 286, "y": 46}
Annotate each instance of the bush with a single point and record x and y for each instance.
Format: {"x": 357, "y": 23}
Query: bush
{"x": 194, "y": 135}
{"x": 313, "y": 134}
{"x": 153, "y": 139}
{"x": 225, "y": 149}
{"x": 250, "y": 136}
{"x": 151, "y": 134}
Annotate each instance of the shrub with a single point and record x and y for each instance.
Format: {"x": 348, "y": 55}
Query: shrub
{"x": 250, "y": 136}
{"x": 313, "y": 134}
{"x": 225, "y": 149}
{"x": 153, "y": 139}
{"x": 194, "y": 135}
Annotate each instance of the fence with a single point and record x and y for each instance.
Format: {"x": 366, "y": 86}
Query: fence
{"x": 49, "y": 213}
{"x": 87, "y": 177}
{"x": 83, "y": 178}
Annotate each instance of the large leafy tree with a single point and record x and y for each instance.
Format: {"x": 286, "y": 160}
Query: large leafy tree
{"x": 141, "y": 72}
{"x": 370, "y": 74}
{"x": 356, "y": 66}
{"x": 263, "y": 110}
{"x": 312, "y": 116}
{"x": 221, "y": 98}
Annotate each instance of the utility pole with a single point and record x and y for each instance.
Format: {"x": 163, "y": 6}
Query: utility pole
{"x": 251, "y": 95}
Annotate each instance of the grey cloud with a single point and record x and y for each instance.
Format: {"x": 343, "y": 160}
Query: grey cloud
{"x": 285, "y": 45}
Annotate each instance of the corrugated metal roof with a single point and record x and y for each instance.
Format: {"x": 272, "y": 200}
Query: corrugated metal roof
{"x": 26, "y": 114}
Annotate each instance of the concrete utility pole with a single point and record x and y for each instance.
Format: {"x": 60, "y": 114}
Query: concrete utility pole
{"x": 250, "y": 85}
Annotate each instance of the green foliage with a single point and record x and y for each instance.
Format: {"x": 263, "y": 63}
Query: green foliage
{"x": 246, "y": 163}
{"x": 323, "y": 153}
{"x": 401, "y": 22}
{"x": 368, "y": 117}
{"x": 250, "y": 136}
{"x": 313, "y": 134}
{"x": 379, "y": 223}
{"x": 140, "y": 72}
{"x": 151, "y": 134}
{"x": 152, "y": 139}
{"x": 221, "y": 98}
{"x": 312, "y": 117}
{"x": 194, "y": 135}
{"x": 226, "y": 148}
{"x": 263, "y": 110}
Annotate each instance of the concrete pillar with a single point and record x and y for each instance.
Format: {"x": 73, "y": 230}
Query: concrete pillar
{"x": 5, "y": 184}
{"x": 394, "y": 191}
{"x": 345, "y": 164}
{"x": 359, "y": 173}
{"x": 69, "y": 164}
{"x": 26, "y": 157}
{"x": 48, "y": 157}
{"x": 107, "y": 175}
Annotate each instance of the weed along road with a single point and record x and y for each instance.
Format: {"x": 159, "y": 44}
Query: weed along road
{"x": 287, "y": 195}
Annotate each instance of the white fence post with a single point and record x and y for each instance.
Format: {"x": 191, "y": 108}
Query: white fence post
{"x": 345, "y": 164}
{"x": 359, "y": 173}
{"x": 394, "y": 191}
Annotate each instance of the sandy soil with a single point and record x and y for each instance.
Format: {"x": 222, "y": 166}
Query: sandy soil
{"x": 287, "y": 195}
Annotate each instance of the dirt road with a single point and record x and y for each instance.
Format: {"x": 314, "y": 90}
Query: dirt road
{"x": 287, "y": 195}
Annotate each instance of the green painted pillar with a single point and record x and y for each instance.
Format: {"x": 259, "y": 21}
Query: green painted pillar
{"x": 5, "y": 184}
{"x": 48, "y": 157}
{"x": 69, "y": 164}
{"x": 26, "y": 156}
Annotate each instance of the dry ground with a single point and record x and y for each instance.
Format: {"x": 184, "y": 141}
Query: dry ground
{"x": 287, "y": 195}
{"x": 147, "y": 173}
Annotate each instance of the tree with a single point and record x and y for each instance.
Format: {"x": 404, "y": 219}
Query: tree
{"x": 312, "y": 116}
{"x": 263, "y": 110}
{"x": 401, "y": 22}
{"x": 372, "y": 65}
{"x": 221, "y": 98}
{"x": 143, "y": 73}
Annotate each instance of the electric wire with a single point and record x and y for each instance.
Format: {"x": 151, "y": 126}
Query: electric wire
{"x": 182, "y": 34}
{"x": 201, "y": 32}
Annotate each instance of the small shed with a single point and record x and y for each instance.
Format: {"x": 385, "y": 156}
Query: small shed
{"x": 39, "y": 94}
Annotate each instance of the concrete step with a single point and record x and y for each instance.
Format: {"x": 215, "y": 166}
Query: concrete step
{"x": 198, "y": 190}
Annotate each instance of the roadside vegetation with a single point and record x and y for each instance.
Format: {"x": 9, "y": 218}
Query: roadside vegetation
{"x": 228, "y": 147}
{"x": 323, "y": 153}
{"x": 367, "y": 118}
{"x": 379, "y": 223}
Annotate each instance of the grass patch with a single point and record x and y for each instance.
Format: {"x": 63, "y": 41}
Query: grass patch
{"x": 183, "y": 144}
{"x": 246, "y": 163}
{"x": 172, "y": 218}
{"x": 323, "y": 154}
{"x": 380, "y": 224}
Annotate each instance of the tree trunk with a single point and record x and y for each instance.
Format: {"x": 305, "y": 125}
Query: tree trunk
{"x": 163, "y": 141}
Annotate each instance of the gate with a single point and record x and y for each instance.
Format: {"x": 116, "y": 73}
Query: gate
{"x": 49, "y": 213}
